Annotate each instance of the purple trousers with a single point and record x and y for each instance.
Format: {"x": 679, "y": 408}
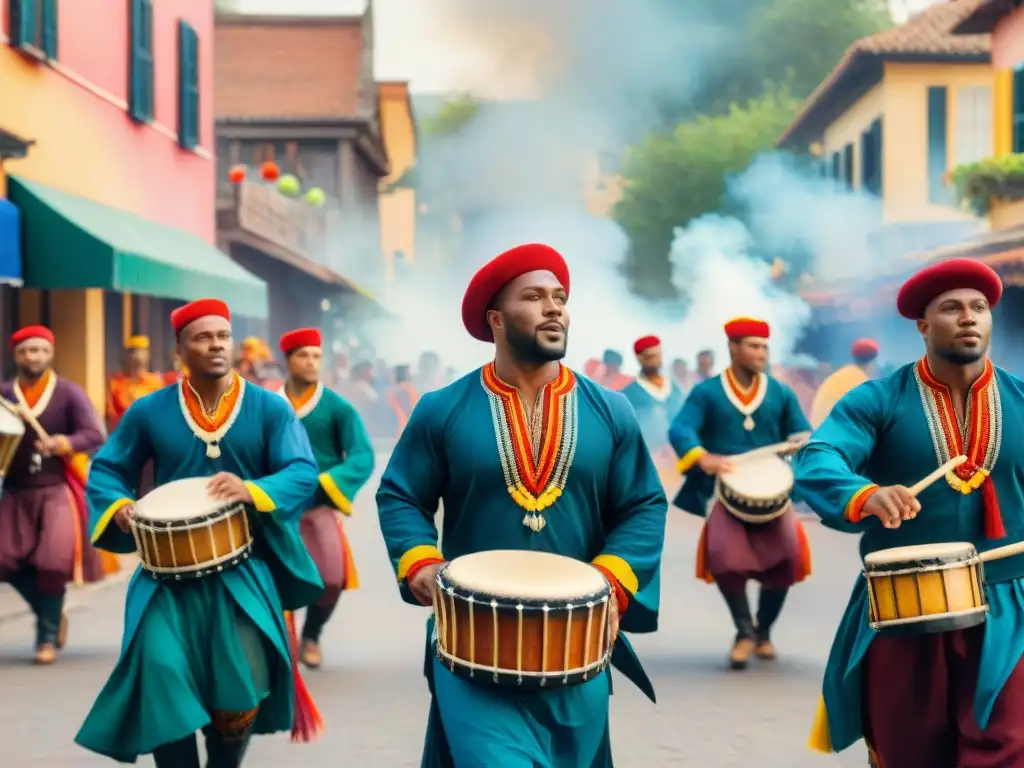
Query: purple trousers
{"x": 40, "y": 531}
{"x": 327, "y": 544}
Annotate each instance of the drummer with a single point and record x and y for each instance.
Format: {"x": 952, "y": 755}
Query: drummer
{"x": 933, "y": 700}
{"x": 475, "y": 445}
{"x": 736, "y": 411}
{"x": 345, "y": 455}
{"x": 213, "y": 653}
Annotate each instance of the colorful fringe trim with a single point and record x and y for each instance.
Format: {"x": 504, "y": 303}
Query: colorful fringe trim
{"x": 307, "y": 723}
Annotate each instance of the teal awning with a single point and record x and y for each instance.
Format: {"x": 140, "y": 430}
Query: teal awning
{"x": 72, "y": 242}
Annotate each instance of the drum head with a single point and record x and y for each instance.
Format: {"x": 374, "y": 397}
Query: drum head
{"x": 179, "y": 500}
{"x": 760, "y": 477}
{"x": 950, "y": 551}
{"x": 10, "y": 424}
{"x": 525, "y": 574}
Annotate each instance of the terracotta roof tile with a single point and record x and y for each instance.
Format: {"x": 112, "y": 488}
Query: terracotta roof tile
{"x": 288, "y": 68}
{"x": 925, "y": 36}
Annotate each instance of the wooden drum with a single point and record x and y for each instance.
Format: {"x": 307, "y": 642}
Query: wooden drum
{"x": 181, "y": 531}
{"x": 926, "y": 588}
{"x": 12, "y": 430}
{"x": 522, "y": 618}
{"x": 757, "y": 491}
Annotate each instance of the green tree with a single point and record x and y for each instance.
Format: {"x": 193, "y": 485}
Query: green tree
{"x": 452, "y": 117}
{"x": 675, "y": 176}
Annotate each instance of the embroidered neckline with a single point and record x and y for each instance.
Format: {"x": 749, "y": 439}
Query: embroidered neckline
{"x": 212, "y": 437}
{"x": 534, "y": 483}
{"x": 45, "y": 396}
{"x": 660, "y": 393}
{"x": 978, "y": 436}
{"x": 306, "y": 406}
{"x": 746, "y": 401}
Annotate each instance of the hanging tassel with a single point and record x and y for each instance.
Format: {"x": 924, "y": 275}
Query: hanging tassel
{"x": 306, "y": 721}
{"x": 993, "y": 517}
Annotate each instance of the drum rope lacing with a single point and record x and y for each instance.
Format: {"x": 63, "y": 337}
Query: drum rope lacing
{"x": 745, "y": 516}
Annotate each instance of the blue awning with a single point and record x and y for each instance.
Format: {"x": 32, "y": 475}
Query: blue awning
{"x": 10, "y": 243}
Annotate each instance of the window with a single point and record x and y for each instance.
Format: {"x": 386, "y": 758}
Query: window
{"x": 188, "y": 86}
{"x": 973, "y": 124}
{"x": 938, "y": 160}
{"x": 848, "y": 166}
{"x": 1018, "y": 108}
{"x": 871, "y": 158}
{"x": 140, "y": 71}
{"x": 34, "y": 26}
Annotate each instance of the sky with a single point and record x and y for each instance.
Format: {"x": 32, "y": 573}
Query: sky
{"x": 410, "y": 47}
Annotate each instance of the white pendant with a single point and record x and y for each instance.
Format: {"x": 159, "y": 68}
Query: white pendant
{"x": 748, "y": 423}
{"x": 213, "y": 450}
{"x": 534, "y": 521}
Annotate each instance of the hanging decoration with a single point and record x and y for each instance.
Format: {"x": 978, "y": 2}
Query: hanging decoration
{"x": 237, "y": 174}
{"x": 316, "y": 197}
{"x": 289, "y": 186}
{"x": 270, "y": 171}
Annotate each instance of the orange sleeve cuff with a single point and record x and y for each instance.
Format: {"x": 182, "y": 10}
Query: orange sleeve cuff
{"x": 621, "y": 595}
{"x": 855, "y": 507}
{"x": 420, "y": 565}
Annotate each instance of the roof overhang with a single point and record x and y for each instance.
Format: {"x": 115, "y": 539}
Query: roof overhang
{"x": 983, "y": 19}
{"x": 12, "y": 146}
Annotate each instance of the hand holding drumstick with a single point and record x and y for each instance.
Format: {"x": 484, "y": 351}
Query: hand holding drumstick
{"x": 895, "y": 503}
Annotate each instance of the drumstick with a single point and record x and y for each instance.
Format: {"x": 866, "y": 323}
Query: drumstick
{"x": 939, "y": 473}
{"x": 1000, "y": 552}
{"x": 24, "y": 413}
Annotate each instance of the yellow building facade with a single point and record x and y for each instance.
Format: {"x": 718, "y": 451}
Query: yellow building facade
{"x": 397, "y": 204}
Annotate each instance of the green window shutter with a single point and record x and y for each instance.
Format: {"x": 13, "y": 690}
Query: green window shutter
{"x": 1018, "y": 108}
{"x": 938, "y": 161}
{"x": 23, "y": 23}
{"x": 50, "y": 16}
{"x": 188, "y": 86}
{"x": 140, "y": 71}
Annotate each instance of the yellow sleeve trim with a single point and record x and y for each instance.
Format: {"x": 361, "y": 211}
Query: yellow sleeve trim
{"x": 107, "y": 516}
{"x": 691, "y": 457}
{"x": 338, "y": 499}
{"x": 260, "y": 499}
{"x": 821, "y": 738}
{"x": 621, "y": 570}
{"x": 414, "y": 555}
{"x": 854, "y": 506}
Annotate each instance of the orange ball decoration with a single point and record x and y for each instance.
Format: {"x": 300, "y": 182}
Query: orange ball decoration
{"x": 237, "y": 174}
{"x": 270, "y": 171}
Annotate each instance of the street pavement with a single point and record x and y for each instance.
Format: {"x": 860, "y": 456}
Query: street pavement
{"x": 374, "y": 700}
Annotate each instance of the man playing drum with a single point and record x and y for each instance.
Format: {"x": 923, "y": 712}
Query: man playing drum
{"x": 344, "y": 455}
{"x": 739, "y": 410}
{"x": 213, "y": 652}
{"x": 941, "y": 699}
{"x": 43, "y": 531}
{"x": 525, "y": 455}
{"x": 656, "y": 398}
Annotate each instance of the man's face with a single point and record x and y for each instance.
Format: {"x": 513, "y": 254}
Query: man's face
{"x": 33, "y": 358}
{"x": 750, "y": 354}
{"x": 206, "y": 347}
{"x": 704, "y": 362}
{"x": 957, "y": 326}
{"x": 304, "y": 364}
{"x": 650, "y": 361}
{"x": 137, "y": 359}
{"x": 533, "y": 317}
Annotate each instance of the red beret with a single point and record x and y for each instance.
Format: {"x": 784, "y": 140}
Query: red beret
{"x": 498, "y": 273}
{"x": 300, "y": 337}
{"x": 742, "y": 327}
{"x": 864, "y": 348}
{"x": 922, "y": 288}
{"x": 191, "y": 312}
{"x": 31, "y": 332}
{"x": 644, "y": 343}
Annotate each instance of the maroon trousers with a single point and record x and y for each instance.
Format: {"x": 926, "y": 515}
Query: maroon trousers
{"x": 322, "y": 537}
{"x": 919, "y": 705}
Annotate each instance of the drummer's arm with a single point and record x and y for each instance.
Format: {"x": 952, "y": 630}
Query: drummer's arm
{"x": 684, "y": 434}
{"x": 341, "y": 483}
{"x": 634, "y": 521}
{"x": 828, "y": 469}
{"x": 113, "y": 480}
{"x": 410, "y": 491}
{"x": 292, "y": 477}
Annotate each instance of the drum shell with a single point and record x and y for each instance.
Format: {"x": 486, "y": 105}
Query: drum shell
{"x": 8, "y": 447}
{"x": 196, "y": 546}
{"x": 472, "y": 628}
{"x": 924, "y": 597}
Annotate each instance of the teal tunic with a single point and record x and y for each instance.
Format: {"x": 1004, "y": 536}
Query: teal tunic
{"x": 655, "y": 409}
{"x": 218, "y": 643}
{"x": 885, "y": 432}
{"x": 341, "y": 447}
{"x": 710, "y": 421}
{"x": 612, "y": 508}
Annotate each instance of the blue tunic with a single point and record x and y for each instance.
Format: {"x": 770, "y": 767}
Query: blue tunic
{"x": 889, "y": 432}
{"x": 184, "y": 652}
{"x": 712, "y": 421}
{"x": 610, "y": 511}
{"x": 655, "y": 408}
